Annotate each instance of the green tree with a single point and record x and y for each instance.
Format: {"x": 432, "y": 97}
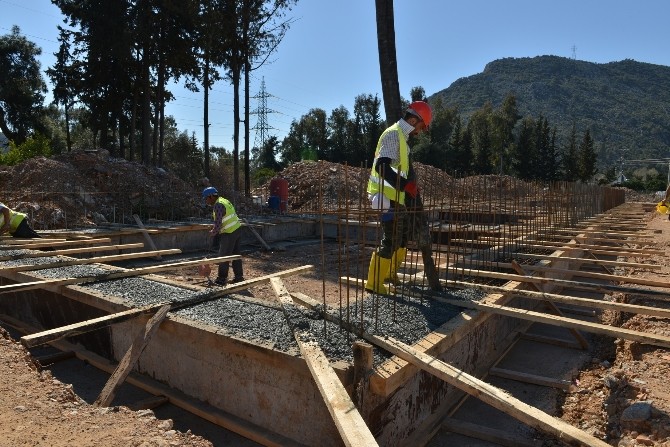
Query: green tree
{"x": 569, "y": 160}
{"x": 266, "y": 155}
{"x": 340, "y": 131}
{"x": 368, "y": 128}
{"x": 22, "y": 88}
{"x": 524, "y": 154}
{"x": 586, "y": 158}
{"x": 479, "y": 127}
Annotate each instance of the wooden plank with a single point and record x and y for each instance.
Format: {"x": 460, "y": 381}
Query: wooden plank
{"x": 47, "y": 244}
{"x": 94, "y": 260}
{"x": 209, "y": 413}
{"x": 551, "y": 340}
{"x": 485, "y": 392}
{"x": 488, "y": 434}
{"x": 604, "y": 288}
{"x": 613, "y": 234}
{"x": 69, "y": 251}
{"x": 531, "y": 378}
{"x": 255, "y": 233}
{"x": 598, "y": 248}
{"x": 589, "y": 261}
{"x": 349, "y": 422}
{"x": 115, "y": 275}
{"x": 146, "y": 235}
{"x": 149, "y": 403}
{"x": 575, "y": 333}
{"x": 130, "y": 358}
{"x": 49, "y": 359}
{"x": 580, "y": 248}
{"x": 569, "y": 272}
{"x": 50, "y": 335}
{"x": 627, "y": 334}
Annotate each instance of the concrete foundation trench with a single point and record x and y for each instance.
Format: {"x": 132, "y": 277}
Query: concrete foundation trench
{"x": 415, "y": 367}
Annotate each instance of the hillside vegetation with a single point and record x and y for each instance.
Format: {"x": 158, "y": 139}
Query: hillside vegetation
{"x": 626, "y": 104}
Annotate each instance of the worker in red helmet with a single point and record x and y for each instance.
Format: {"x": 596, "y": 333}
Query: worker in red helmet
{"x": 391, "y": 188}
{"x": 225, "y": 233}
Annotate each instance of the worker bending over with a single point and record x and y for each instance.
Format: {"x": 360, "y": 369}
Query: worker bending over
{"x": 15, "y": 223}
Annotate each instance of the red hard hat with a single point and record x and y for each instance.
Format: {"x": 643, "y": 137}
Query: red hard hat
{"x": 422, "y": 110}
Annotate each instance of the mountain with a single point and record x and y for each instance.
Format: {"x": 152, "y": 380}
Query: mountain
{"x": 626, "y": 104}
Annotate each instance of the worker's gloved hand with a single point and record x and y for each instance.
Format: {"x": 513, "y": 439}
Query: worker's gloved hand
{"x": 413, "y": 203}
{"x": 411, "y": 188}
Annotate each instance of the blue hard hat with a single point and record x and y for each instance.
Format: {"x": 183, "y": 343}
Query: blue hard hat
{"x": 210, "y": 191}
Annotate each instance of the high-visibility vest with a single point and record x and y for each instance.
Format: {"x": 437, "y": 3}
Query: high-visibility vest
{"x": 230, "y": 221}
{"x": 376, "y": 183}
{"x": 15, "y": 218}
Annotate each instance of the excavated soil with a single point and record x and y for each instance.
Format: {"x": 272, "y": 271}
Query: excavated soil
{"x": 622, "y": 396}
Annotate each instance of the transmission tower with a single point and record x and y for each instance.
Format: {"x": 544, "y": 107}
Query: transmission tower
{"x": 262, "y": 127}
{"x": 574, "y": 53}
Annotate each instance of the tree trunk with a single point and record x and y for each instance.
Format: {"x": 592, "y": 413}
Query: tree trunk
{"x": 388, "y": 66}
{"x": 205, "y": 116}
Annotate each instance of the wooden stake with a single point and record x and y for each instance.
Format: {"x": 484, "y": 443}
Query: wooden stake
{"x": 130, "y": 358}
{"x": 145, "y": 233}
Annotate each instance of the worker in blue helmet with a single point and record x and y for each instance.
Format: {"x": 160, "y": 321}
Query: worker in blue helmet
{"x": 225, "y": 233}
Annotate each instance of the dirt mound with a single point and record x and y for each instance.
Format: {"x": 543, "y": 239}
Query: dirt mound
{"x": 86, "y": 188}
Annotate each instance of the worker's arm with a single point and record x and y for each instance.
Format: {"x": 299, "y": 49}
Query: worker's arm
{"x": 219, "y": 211}
{"x": 5, "y": 225}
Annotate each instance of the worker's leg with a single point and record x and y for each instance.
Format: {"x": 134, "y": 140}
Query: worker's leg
{"x": 235, "y": 238}
{"x": 420, "y": 233}
{"x": 380, "y": 263}
{"x": 224, "y": 250}
{"x": 25, "y": 231}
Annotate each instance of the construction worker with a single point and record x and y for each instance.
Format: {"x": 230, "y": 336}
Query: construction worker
{"x": 15, "y": 223}
{"x": 391, "y": 188}
{"x": 225, "y": 233}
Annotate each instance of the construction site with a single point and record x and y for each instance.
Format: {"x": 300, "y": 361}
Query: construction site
{"x": 548, "y": 325}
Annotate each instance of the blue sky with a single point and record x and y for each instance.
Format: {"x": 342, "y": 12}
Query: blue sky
{"x": 329, "y": 55}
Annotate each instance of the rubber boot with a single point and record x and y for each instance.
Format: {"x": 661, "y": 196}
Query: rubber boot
{"x": 377, "y": 272}
{"x": 396, "y": 261}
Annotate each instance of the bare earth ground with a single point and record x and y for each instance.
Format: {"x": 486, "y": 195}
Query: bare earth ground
{"x": 36, "y": 410}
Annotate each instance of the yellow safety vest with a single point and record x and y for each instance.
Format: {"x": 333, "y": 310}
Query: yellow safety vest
{"x": 230, "y": 221}
{"x": 376, "y": 183}
{"x": 15, "y": 218}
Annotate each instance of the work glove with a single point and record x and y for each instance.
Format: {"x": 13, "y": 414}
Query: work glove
{"x": 411, "y": 188}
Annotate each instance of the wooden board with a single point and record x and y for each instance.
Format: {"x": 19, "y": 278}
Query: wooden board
{"x": 349, "y": 422}
{"x": 94, "y": 260}
{"x": 70, "y": 251}
{"x": 604, "y": 288}
{"x": 130, "y": 358}
{"x": 485, "y": 392}
{"x": 115, "y": 275}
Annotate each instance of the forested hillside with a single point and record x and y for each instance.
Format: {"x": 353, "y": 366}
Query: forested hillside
{"x": 626, "y": 104}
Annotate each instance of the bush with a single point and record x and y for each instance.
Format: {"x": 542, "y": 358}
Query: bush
{"x": 35, "y": 146}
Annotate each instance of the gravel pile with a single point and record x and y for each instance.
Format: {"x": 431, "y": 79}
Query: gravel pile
{"x": 407, "y": 319}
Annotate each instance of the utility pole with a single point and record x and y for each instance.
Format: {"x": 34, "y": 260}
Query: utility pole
{"x": 262, "y": 127}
